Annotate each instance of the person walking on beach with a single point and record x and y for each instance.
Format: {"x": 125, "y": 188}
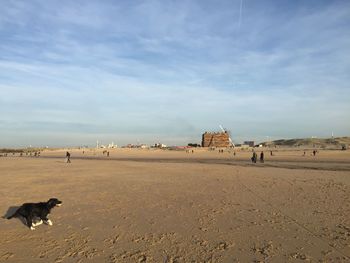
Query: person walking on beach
{"x": 254, "y": 157}
{"x": 67, "y": 157}
{"x": 262, "y": 157}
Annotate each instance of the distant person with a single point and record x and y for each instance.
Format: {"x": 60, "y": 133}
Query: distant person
{"x": 262, "y": 157}
{"x": 271, "y": 153}
{"x": 107, "y": 154}
{"x": 67, "y": 157}
{"x": 304, "y": 153}
{"x": 314, "y": 152}
{"x": 234, "y": 153}
{"x": 254, "y": 157}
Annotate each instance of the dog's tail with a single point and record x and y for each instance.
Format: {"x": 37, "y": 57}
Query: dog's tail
{"x": 14, "y": 215}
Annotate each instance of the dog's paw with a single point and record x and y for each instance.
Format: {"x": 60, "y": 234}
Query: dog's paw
{"x": 37, "y": 223}
{"x": 32, "y": 228}
{"x": 49, "y": 222}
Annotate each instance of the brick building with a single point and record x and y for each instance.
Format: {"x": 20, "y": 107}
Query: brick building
{"x": 216, "y": 139}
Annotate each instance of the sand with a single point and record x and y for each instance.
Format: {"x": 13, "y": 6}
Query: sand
{"x": 169, "y": 206}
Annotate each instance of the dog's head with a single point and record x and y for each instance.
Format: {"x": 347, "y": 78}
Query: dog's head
{"x": 54, "y": 202}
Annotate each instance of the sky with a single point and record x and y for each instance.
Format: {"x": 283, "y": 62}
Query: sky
{"x": 73, "y": 72}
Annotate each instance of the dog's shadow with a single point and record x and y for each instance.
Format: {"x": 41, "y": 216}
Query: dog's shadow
{"x": 11, "y": 211}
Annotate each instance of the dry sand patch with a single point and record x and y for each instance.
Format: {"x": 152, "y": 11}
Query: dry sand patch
{"x": 127, "y": 211}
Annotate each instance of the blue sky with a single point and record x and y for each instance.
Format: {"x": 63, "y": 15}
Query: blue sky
{"x": 73, "y": 72}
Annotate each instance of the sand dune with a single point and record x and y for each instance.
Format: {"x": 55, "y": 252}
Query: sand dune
{"x": 157, "y": 206}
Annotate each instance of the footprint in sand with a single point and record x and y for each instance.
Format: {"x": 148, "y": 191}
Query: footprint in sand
{"x": 6, "y": 256}
{"x": 224, "y": 246}
{"x": 137, "y": 256}
{"x": 142, "y": 258}
{"x": 300, "y": 256}
{"x": 266, "y": 250}
{"x": 112, "y": 241}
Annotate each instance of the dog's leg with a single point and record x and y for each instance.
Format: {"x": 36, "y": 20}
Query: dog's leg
{"x": 30, "y": 222}
{"x": 48, "y": 221}
{"x": 37, "y": 223}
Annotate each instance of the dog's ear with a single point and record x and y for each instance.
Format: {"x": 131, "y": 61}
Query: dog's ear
{"x": 53, "y": 202}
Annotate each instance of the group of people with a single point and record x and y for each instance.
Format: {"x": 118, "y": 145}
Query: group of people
{"x": 255, "y": 157}
{"x": 68, "y": 155}
{"x": 36, "y": 154}
{"x": 105, "y": 152}
{"x": 313, "y": 153}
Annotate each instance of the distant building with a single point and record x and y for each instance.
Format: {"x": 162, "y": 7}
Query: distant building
{"x": 250, "y": 143}
{"x": 216, "y": 139}
{"x": 159, "y": 145}
{"x": 112, "y": 145}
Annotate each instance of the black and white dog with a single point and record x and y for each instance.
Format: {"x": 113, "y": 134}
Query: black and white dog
{"x": 36, "y": 213}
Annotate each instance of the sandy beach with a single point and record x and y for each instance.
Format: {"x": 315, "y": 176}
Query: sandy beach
{"x": 172, "y": 206}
